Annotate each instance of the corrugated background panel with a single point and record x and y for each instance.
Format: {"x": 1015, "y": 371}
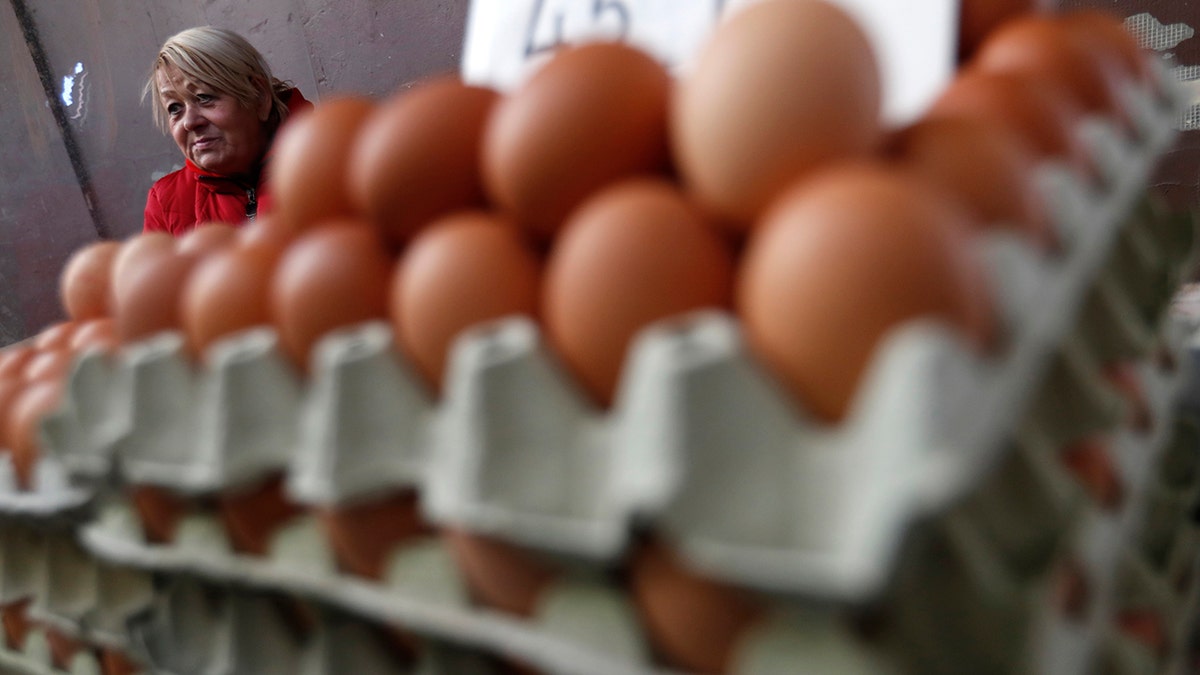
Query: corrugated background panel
{"x": 43, "y": 216}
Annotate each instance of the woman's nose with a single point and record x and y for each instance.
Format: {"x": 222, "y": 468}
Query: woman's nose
{"x": 192, "y": 118}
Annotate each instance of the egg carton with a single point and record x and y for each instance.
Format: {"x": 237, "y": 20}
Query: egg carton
{"x": 422, "y": 591}
{"x": 52, "y": 495}
{"x": 158, "y": 420}
{"x": 216, "y": 628}
{"x": 1140, "y": 555}
{"x": 92, "y": 601}
{"x": 301, "y": 564}
{"x": 585, "y": 625}
{"x": 67, "y": 587}
{"x": 995, "y": 598}
{"x": 91, "y": 414}
{"x": 36, "y": 658}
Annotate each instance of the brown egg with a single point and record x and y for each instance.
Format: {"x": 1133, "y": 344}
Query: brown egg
{"x": 333, "y": 276}
{"x": 984, "y": 166}
{"x": 266, "y": 234}
{"x": 1089, "y": 460}
{"x": 633, "y": 254}
{"x": 54, "y": 336}
{"x": 63, "y": 648}
{"x": 499, "y": 574}
{"x": 694, "y": 621}
{"x": 149, "y": 302}
{"x": 781, "y": 88}
{"x": 113, "y": 662}
{"x": 1124, "y": 378}
{"x": 95, "y": 334}
{"x": 1046, "y": 119}
{"x": 977, "y": 19}
{"x": 252, "y": 515}
{"x": 86, "y": 279}
{"x": 839, "y": 261}
{"x": 135, "y": 252}
{"x": 1071, "y": 592}
{"x": 35, "y": 401}
{"x": 417, "y": 156}
{"x": 49, "y": 364}
{"x": 594, "y": 114}
{"x": 1102, "y": 33}
{"x": 159, "y": 511}
{"x": 15, "y": 617}
{"x": 10, "y": 388}
{"x": 1146, "y": 626}
{"x": 226, "y": 293}
{"x": 13, "y": 359}
{"x": 364, "y": 534}
{"x": 1042, "y": 48}
{"x": 462, "y": 270}
{"x": 312, "y": 153}
{"x": 206, "y": 238}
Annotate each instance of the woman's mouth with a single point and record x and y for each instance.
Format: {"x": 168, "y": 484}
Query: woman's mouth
{"x": 204, "y": 143}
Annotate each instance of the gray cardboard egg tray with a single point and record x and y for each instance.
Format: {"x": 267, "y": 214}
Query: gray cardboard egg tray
{"x": 202, "y": 628}
{"x": 700, "y": 445}
{"x": 987, "y": 591}
{"x": 69, "y": 590}
{"x": 180, "y": 624}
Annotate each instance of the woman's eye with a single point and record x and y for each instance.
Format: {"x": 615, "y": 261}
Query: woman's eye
{"x": 174, "y": 109}
{"x": 205, "y": 98}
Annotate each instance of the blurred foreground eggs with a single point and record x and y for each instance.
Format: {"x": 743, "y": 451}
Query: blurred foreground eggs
{"x": 417, "y": 156}
{"x": 333, "y": 276}
{"x": 633, "y": 254}
{"x": 842, "y": 259}
{"x": 312, "y": 155}
{"x": 781, "y": 87}
{"x": 462, "y": 270}
{"x": 594, "y": 114}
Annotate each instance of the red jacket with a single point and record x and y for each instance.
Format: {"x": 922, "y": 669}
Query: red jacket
{"x": 191, "y": 195}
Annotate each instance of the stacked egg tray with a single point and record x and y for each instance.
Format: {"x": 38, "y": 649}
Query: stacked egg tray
{"x": 1011, "y": 512}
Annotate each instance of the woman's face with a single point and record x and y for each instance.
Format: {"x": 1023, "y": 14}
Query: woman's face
{"x": 212, "y": 128}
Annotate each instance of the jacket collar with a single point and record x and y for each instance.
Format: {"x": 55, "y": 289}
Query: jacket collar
{"x": 220, "y": 182}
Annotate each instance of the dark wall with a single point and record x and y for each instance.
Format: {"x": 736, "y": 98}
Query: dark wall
{"x": 76, "y": 168}
{"x": 323, "y": 46}
{"x": 42, "y": 212}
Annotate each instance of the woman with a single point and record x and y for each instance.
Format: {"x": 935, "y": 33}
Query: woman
{"x": 215, "y": 95}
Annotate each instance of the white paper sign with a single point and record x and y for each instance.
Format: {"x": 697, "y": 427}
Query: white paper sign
{"x": 505, "y": 40}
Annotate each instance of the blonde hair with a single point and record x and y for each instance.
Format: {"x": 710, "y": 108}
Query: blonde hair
{"x": 220, "y": 59}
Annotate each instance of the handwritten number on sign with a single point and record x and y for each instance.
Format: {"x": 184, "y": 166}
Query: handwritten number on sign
{"x": 600, "y": 10}
{"x": 531, "y": 44}
{"x": 617, "y": 7}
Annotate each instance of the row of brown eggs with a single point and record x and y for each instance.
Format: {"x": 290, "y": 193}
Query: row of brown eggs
{"x": 600, "y": 196}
